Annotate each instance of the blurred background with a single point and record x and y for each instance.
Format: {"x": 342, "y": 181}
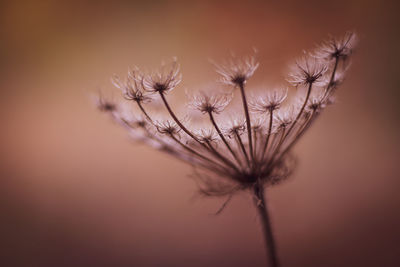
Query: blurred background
{"x": 75, "y": 191}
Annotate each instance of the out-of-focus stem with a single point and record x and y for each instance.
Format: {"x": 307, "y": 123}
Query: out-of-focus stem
{"x": 221, "y": 157}
{"x": 218, "y": 166}
{"x": 241, "y": 145}
{"x": 329, "y": 86}
{"x": 144, "y": 112}
{"x": 262, "y": 209}
{"x": 278, "y": 146}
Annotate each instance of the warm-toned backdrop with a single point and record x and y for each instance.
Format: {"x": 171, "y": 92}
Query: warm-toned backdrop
{"x": 74, "y": 191}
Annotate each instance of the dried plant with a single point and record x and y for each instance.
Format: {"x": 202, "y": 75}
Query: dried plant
{"x": 248, "y": 148}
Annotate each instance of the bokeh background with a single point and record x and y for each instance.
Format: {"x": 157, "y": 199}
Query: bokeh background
{"x": 74, "y": 191}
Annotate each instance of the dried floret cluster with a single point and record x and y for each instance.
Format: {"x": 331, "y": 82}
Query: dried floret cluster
{"x": 249, "y": 146}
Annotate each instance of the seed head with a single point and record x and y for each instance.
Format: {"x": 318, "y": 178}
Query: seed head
{"x": 316, "y": 103}
{"x": 284, "y": 117}
{"x": 268, "y": 102}
{"x": 337, "y": 48}
{"x": 235, "y": 126}
{"x": 135, "y": 122}
{"x": 167, "y": 127}
{"x": 105, "y": 105}
{"x": 307, "y": 70}
{"x": 210, "y": 103}
{"x": 258, "y": 123}
{"x": 217, "y": 146}
{"x": 236, "y": 71}
{"x": 132, "y": 88}
{"x": 207, "y": 135}
{"x": 163, "y": 80}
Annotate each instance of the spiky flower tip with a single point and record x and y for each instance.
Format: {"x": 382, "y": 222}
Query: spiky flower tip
{"x": 236, "y": 71}
{"x": 133, "y": 87}
{"x": 333, "y": 48}
{"x": 163, "y": 80}
{"x": 252, "y": 145}
{"x": 268, "y": 101}
{"x": 207, "y": 102}
{"x": 307, "y": 70}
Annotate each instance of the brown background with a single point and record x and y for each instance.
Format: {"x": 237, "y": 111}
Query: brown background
{"x": 74, "y": 191}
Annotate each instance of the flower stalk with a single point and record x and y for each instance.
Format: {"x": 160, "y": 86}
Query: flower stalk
{"x": 248, "y": 121}
{"x": 262, "y": 209}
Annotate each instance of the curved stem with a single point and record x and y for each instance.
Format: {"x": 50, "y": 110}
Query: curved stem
{"x": 225, "y": 160}
{"x": 276, "y": 151}
{"x": 241, "y": 145}
{"x": 214, "y": 166}
{"x": 329, "y": 86}
{"x": 301, "y": 110}
{"x": 248, "y": 122}
{"x": 299, "y": 133}
{"x": 262, "y": 209}
{"x": 221, "y": 157}
{"x": 179, "y": 142}
{"x": 223, "y": 138}
{"x": 144, "y": 112}
{"x": 306, "y": 125}
{"x": 255, "y": 140}
{"x": 177, "y": 120}
{"x": 271, "y": 116}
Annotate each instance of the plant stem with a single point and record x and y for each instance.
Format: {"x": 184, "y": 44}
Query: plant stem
{"x": 301, "y": 110}
{"x": 248, "y": 121}
{"x": 223, "y": 138}
{"x": 262, "y": 209}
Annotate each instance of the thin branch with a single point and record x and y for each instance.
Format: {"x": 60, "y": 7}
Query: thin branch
{"x": 262, "y": 209}
{"x": 239, "y": 140}
{"x": 198, "y": 155}
{"x": 221, "y": 157}
{"x": 223, "y": 138}
{"x": 301, "y": 110}
{"x": 191, "y": 134}
{"x": 248, "y": 121}
{"x": 329, "y": 86}
{"x": 268, "y": 135}
{"x": 177, "y": 120}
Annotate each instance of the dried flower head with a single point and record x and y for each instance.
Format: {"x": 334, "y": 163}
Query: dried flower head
{"x": 207, "y": 135}
{"x": 237, "y": 71}
{"x": 105, "y": 105}
{"x": 163, "y": 80}
{"x": 247, "y": 150}
{"x": 307, "y": 70}
{"x": 335, "y": 48}
{"x": 316, "y": 102}
{"x": 132, "y": 88}
{"x": 167, "y": 127}
{"x": 210, "y": 102}
{"x": 268, "y": 102}
{"x": 336, "y": 80}
{"x": 234, "y": 126}
{"x": 284, "y": 117}
{"x": 258, "y": 123}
